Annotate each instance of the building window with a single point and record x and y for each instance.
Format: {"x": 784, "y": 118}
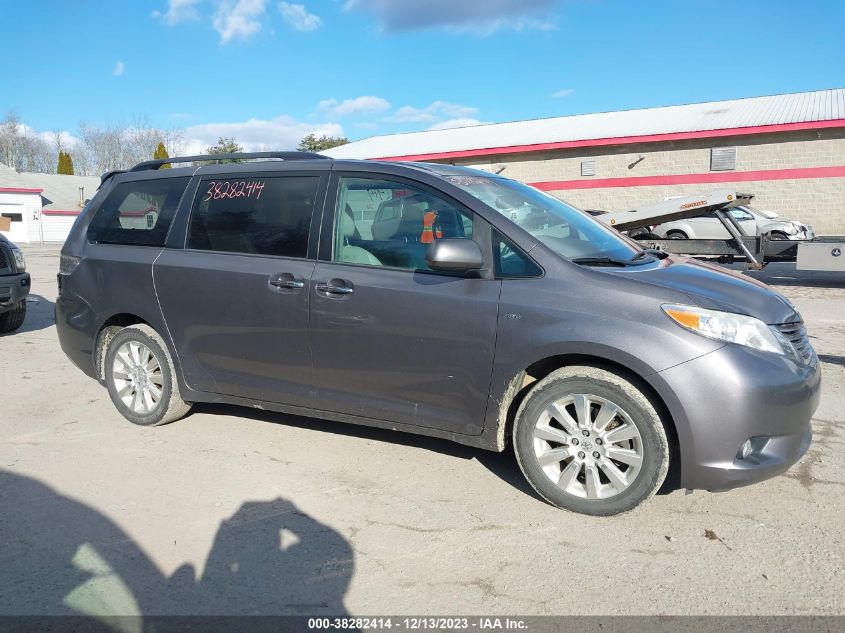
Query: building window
{"x": 722, "y": 158}
{"x": 588, "y": 168}
{"x": 14, "y": 217}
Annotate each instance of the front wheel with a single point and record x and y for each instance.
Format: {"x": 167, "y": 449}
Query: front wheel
{"x": 14, "y": 318}
{"x": 141, "y": 378}
{"x": 676, "y": 235}
{"x": 590, "y": 441}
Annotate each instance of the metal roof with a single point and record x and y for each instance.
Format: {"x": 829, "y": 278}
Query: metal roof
{"x": 755, "y": 112}
{"x": 59, "y": 192}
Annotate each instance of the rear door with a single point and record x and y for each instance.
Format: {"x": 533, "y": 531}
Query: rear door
{"x": 392, "y": 339}
{"x": 236, "y": 298}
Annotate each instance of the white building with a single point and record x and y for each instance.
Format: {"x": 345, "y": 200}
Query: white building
{"x": 42, "y": 207}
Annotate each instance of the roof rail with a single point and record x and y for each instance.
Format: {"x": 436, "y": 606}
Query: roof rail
{"x": 156, "y": 164}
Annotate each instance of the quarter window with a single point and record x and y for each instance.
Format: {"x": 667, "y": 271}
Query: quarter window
{"x": 260, "y": 216}
{"x": 510, "y": 261}
{"x": 390, "y": 223}
{"x": 138, "y": 213}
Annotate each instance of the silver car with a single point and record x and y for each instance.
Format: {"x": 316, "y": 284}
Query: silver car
{"x": 753, "y": 221}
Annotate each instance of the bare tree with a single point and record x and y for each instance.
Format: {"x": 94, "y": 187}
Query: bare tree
{"x": 101, "y": 148}
{"x": 119, "y": 146}
{"x": 22, "y": 149}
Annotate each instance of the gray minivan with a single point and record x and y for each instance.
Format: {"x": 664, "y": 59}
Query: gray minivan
{"x": 437, "y": 300}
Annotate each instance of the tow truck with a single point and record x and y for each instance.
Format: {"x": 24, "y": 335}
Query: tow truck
{"x": 820, "y": 253}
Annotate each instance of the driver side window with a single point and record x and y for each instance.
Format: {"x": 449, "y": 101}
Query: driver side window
{"x": 382, "y": 222}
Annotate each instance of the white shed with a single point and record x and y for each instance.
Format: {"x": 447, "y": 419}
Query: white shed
{"x": 42, "y": 207}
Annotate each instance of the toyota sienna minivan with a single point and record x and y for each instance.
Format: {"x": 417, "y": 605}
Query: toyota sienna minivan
{"x": 437, "y": 300}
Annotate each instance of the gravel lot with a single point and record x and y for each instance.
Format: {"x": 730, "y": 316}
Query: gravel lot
{"x": 238, "y": 511}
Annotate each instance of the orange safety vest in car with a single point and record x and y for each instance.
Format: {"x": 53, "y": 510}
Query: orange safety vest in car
{"x": 431, "y": 228}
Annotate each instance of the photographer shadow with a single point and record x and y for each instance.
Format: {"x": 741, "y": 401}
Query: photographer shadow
{"x": 61, "y": 557}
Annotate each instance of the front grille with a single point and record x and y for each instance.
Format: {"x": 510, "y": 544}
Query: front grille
{"x": 4, "y": 259}
{"x": 796, "y": 334}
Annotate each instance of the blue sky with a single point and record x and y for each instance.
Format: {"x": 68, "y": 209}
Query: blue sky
{"x": 267, "y": 72}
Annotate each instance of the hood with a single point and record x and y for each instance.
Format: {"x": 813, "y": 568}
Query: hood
{"x": 714, "y": 287}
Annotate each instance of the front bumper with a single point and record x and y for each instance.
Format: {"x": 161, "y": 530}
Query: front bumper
{"x": 13, "y": 288}
{"x": 720, "y": 400}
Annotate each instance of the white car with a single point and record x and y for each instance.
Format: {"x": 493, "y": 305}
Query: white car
{"x": 753, "y": 222}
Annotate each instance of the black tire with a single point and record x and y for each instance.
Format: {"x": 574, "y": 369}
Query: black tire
{"x": 777, "y": 235}
{"x": 652, "y": 443}
{"x": 677, "y": 235}
{"x": 14, "y": 318}
{"x": 169, "y": 406}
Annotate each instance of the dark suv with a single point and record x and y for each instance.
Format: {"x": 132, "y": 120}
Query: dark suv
{"x": 437, "y": 300}
{"x": 14, "y": 286}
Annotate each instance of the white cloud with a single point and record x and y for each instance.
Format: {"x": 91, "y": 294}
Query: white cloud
{"x": 119, "y": 68}
{"x": 298, "y": 17}
{"x": 453, "y": 123}
{"x": 238, "y": 18}
{"x": 255, "y": 135}
{"x": 358, "y": 105}
{"x": 564, "y": 92}
{"x": 437, "y": 110}
{"x": 178, "y": 11}
{"x": 482, "y": 18}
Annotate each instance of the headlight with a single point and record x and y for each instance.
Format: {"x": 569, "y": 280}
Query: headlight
{"x": 730, "y": 327}
{"x": 20, "y": 261}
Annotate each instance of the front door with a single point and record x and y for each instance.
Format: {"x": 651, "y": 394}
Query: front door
{"x": 391, "y": 339}
{"x": 236, "y": 299}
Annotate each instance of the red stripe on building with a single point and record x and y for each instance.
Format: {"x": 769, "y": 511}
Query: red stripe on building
{"x": 59, "y": 212}
{"x": 694, "y": 179}
{"x": 19, "y": 190}
{"x": 623, "y": 140}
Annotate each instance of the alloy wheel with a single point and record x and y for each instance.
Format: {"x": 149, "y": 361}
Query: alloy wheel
{"x": 588, "y": 446}
{"x": 137, "y": 377}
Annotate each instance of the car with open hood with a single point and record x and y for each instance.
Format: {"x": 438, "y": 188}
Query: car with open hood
{"x": 753, "y": 221}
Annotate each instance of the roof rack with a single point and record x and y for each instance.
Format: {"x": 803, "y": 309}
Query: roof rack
{"x": 156, "y": 164}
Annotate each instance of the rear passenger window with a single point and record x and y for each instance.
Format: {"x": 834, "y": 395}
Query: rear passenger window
{"x": 260, "y": 216}
{"x": 137, "y": 213}
{"x": 390, "y": 223}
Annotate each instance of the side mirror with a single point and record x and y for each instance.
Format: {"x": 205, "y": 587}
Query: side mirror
{"x": 450, "y": 255}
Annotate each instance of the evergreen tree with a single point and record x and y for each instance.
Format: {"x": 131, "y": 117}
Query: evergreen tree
{"x": 311, "y": 143}
{"x": 225, "y": 145}
{"x": 65, "y": 164}
{"x": 161, "y": 152}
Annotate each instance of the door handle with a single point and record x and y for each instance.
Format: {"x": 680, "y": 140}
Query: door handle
{"x": 335, "y": 287}
{"x": 286, "y": 281}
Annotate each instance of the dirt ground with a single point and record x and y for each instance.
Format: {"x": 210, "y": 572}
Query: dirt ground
{"x": 238, "y": 511}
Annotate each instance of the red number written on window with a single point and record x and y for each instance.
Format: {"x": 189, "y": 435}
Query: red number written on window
{"x": 228, "y": 189}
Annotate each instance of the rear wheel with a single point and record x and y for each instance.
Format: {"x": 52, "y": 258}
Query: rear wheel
{"x": 141, "y": 379}
{"x": 14, "y": 318}
{"x": 677, "y": 235}
{"x": 590, "y": 441}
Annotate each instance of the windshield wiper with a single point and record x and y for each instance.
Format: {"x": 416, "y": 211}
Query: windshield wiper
{"x": 603, "y": 261}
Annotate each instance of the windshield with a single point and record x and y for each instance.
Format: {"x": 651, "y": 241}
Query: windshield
{"x": 563, "y": 228}
{"x": 771, "y": 215}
